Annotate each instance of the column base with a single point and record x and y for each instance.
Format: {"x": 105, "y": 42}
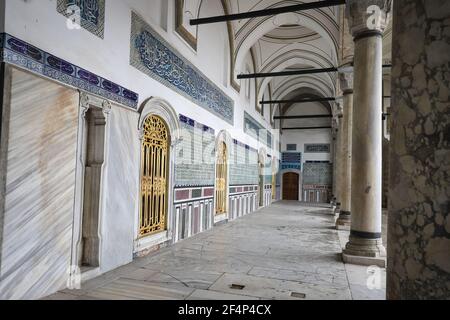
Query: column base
{"x": 337, "y": 208}
{"x": 365, "y": 250}
{"x": 364, "y": 261}
{"x": 344, "y": 221}
{"x": 333, "y": 201}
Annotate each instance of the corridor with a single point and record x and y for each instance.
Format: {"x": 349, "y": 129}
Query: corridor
{"x": 285, "y": 251}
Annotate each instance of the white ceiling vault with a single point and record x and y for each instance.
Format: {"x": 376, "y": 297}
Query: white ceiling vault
{"x": 307, "y": 39}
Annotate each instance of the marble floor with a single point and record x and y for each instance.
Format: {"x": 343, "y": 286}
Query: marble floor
{"x": 285, "y": 251}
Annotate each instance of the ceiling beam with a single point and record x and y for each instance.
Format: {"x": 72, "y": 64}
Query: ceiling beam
{"x": 268, "y": 12}
{"x": 307, "y": 128}
{"x": 299, "y": 101}
{"x": 316, "y": 116}
{"x": 286, "y": 73}
{"x": 293, "y": 72}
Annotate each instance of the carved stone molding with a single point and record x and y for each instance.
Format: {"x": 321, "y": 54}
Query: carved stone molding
{"x": 346, "y": 80}
{"x": 162, "y": 109}
{"x": 87, "y": 100}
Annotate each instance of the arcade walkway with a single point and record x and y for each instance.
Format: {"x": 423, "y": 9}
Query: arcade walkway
{"x": 286, "y": 251}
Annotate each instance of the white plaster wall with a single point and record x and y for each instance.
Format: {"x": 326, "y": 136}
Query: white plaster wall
{"x": 302, "y": 137}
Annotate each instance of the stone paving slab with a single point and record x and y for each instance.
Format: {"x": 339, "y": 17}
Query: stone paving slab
{"x": 285, "y": 251}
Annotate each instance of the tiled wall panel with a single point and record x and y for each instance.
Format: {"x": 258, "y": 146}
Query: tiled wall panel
{"x": 194, "y": 167}
{"x": 244, "y": 165}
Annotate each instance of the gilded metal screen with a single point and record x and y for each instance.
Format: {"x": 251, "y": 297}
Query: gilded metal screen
{"x": 154, "y": 170}
{"x": 274, "y": 180}
{"x": 274, "y": 186}
{"x": 221, "y": 179}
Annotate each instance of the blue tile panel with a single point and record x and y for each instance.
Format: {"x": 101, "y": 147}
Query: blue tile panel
{"x": 243, "y": 165}
{"x": 24, "y": 55}
{"x": 155, "y": 57}
{"x": 291, "y": 161}
{"x": 317, "y": 173}
{"x": 192, "y": 167}
{"x": 257, "y": 131}
{"x": 318, "y": 148}
{"x": 91, "y": 14}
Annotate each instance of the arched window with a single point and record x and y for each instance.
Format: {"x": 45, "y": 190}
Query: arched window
{"x": 261, "y": 183}
{"x": 274, "y": 179}
{"x": 221, "y": 179}
{"x": 154, "y": 177}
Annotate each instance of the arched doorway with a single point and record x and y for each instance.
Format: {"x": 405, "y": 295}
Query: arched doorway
{"x": 154, "y": 176}
{"x": 221, "y": 179}
{"x": 291, "y": 181}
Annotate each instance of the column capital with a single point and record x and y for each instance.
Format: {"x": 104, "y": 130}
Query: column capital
{"x": 367, "y": 17}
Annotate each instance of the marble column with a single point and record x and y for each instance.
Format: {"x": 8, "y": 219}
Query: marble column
{"x": 334, "y": 134}
{"x": 365, "y": 244}
{"x": 338, "y": 158}
{"x": 346, "y": 80}
{"x": 419, "y": 218}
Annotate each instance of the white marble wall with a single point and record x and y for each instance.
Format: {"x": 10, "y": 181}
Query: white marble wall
{"x": 121, "y": 187}
{"x": 40, "y": 178}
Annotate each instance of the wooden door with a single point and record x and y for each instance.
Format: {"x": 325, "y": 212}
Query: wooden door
{"x": 290, "y": 186}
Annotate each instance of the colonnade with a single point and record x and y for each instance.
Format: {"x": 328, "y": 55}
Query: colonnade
{"x": 359, "y": 137}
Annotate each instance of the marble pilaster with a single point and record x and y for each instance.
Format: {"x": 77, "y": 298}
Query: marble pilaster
{"x": 346, "y": 80}
{"x": 339, "y": 133}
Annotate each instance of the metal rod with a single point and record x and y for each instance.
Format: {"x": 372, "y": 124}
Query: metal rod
{"x": 299, "y": 101}
{"x": 286, "y": 73}
{"x": 307, "y": 128}
{"x": 317, "y": 116}
{"x": 268, "y": 12}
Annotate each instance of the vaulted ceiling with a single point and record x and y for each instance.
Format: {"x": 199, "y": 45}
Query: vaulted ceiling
{"x": 307, "y": 39}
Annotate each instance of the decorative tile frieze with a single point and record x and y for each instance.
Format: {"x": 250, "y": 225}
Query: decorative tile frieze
{"x": 257, "y": 131}
{"x": 318, "y": 148}
{"x": 242, "y": 189}
{"x": 291, "y": 147}
{"x": 89, "y": 14}
{"x": 291, "y": 161}
{"x": 152, "y": 55}
{"x": 21, "y": 54}
{"x": 189, "y": 194}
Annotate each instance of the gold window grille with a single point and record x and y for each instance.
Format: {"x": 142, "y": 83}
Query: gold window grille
{"x": 221, "y": 179}
{"x": 154, "y": 171}
{"x": 274, "y": 180}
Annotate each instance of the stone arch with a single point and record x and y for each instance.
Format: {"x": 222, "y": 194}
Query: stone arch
{"x": 163, "y": 110}
{"x": 222, "y": 175}
{"x": 286, "y": 64}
